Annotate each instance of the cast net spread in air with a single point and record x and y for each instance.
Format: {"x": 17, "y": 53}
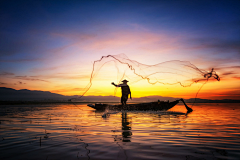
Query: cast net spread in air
{"x": 172, "y": 72}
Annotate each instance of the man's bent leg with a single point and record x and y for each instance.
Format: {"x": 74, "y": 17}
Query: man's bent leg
{"x": 125, "y": 102}
{"x": 122, "y": 101}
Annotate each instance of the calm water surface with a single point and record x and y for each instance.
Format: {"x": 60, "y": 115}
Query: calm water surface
{"x": 211, "y": 131}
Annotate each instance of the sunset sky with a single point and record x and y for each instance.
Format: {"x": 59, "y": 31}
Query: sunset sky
{"x": 51, "y": 45}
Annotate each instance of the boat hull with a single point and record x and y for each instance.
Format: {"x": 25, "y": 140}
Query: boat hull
{"x": 159, "y": 105}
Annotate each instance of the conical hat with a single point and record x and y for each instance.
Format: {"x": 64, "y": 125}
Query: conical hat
{"x": 125, "y": 80}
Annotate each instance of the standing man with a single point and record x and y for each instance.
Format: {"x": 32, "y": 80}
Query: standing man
{"x": 125, "y": 91}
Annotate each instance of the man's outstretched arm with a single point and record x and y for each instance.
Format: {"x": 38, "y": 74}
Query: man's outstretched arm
{"x": 114, "y": 84}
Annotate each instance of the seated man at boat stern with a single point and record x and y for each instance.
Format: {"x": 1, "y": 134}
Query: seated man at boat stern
{"x": 125, "y": 91}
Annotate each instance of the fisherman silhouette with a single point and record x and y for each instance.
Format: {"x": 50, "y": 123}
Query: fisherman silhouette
{"x": 125, "y": 91}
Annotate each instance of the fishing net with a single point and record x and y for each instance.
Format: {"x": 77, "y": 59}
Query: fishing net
{"x": 172, "y": 72}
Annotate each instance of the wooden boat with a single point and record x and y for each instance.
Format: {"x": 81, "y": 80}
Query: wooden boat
{"x": 158, "y": 105}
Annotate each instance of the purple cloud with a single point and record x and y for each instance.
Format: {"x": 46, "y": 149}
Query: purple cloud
{"x": 29, "y": 79}
{"x": 6, "y": 73}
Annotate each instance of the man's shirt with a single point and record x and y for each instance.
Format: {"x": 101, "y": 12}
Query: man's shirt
{"x": 125, "y": 88}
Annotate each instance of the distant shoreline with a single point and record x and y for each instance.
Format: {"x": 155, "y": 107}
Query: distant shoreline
{"x": 67, "y": 102}
{"x": 9, "y": 96}
{"x": 40, "y": 102}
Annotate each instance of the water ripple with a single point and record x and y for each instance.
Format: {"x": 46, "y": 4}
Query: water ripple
{"x": 211, "y": 131}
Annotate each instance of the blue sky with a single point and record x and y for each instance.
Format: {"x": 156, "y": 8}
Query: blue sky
{"x": 46, "y": 39}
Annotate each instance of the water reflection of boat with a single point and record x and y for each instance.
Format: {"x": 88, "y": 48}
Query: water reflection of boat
{"x": 159, "y": 105}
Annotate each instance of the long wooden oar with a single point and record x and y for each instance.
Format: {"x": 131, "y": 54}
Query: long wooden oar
{"x": 188, "y": 108}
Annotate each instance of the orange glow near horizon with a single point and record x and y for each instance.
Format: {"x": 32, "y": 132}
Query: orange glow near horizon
{"x": 226, "y": 88}
{"x": 211, "y": 90}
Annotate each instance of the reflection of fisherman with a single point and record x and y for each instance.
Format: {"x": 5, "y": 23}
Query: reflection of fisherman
{"x": 126, "y": 128}
{"x": 125, "y": 91}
